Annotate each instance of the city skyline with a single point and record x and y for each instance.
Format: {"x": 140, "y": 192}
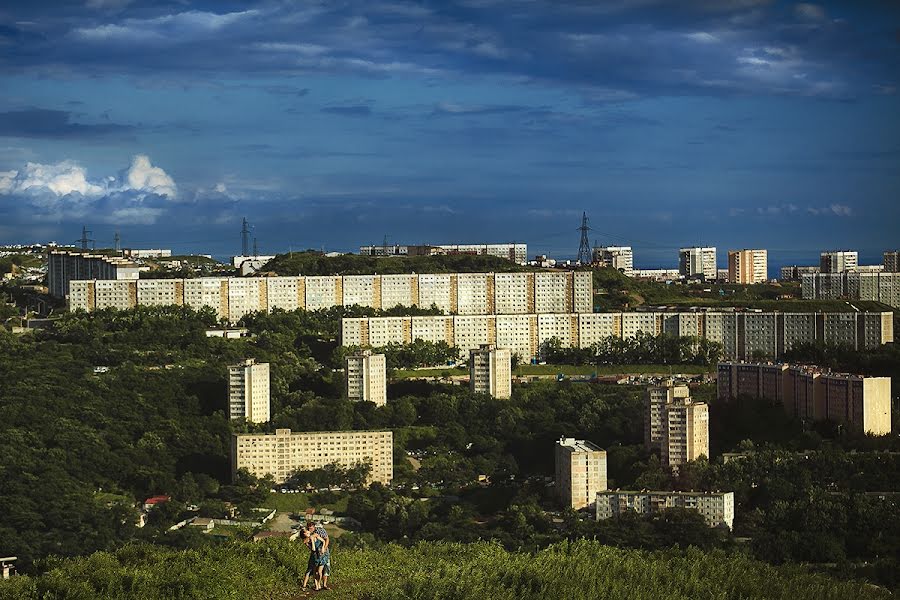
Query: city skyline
{"x": 748, "y": 124}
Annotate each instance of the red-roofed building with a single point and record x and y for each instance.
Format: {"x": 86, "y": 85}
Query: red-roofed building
{"x": 155, "y": 501}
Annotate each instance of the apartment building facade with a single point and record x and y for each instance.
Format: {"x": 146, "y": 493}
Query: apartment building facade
{"x": 656, "y": 397}
{"x": 698, "y": 261}
{"x": 620, "y": 258}
{"x": 743, "y": 335}
{"x": 365, "y": 377}
{"x": 717, "y": 508}
{"x": 490, "y": 371}
{"x": 63, "y": 267}
{"x": 796, "y": 272}
{"x": 748, "y": 266}
{"x": 517, "y": 253}
{"x": 580, "y": 472}
{"x": 684, "y": 430}
{"x": 282, "y": 453}
{"x": 248, "y": 391}
{"x": 838, "y": 261}
{"x": 892, "y": 261}
{"x": 875, "y": 286}
{"x": 806, "y": 392}
{"x": 452, "y": 293}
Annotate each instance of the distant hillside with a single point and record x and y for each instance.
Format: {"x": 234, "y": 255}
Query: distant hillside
{"x": 315, "y": 263}
{"x": 574, "y": 571}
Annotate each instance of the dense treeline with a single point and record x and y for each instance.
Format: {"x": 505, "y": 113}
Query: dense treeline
{"x": 316, "y": 263}
{"x": 577, "y": 571}
{"x": 641, "y": 349}
{"x": 78, "y": 447}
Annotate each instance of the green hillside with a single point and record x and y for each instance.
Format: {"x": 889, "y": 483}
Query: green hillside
{"x": 316, "y": 263}
{"x": 446, "y": 571}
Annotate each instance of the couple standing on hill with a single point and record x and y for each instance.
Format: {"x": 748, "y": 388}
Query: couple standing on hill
{"x": 319, "y": 565}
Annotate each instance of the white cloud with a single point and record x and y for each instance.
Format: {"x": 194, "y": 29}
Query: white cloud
{"x": 60, "y": 179}
{"x": 172, "y": 28}
{"x": 702, "y": 37}
{"x": 143, "y": 176}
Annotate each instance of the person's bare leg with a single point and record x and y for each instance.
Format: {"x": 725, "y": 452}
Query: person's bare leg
{"x": 319, "y": 577}
{"x": 306, "y": 579}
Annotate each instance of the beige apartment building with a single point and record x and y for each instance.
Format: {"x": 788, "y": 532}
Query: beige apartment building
{"x": 490, "y": 371}
{"x": 365, "y": 376}
{"x": 748, "y": 266}
{"x": 814, "y": 394}
{"x": 892, "y": 261}
{"x": 452, "y": 293}
{"x": 743, "y": 335}
{"x": 282, "y": 453}
{"x": 580, "y": 472}
{"x": 717, "y": 508}
{"x": 656, "y": 398}
{"x": 685, "y": 432}
{"x": 620, "y": 258}
{"x": 248, "y": 391}
{"x": 63, "y": 267}
{"x": 838, "y": 261}
{"x": 697, "y": 261}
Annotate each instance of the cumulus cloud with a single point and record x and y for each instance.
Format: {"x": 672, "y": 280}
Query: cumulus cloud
{"x": 143, "y": 176}
{"x": 139, "y": 195}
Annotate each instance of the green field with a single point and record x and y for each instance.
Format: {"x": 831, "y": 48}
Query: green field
{"x": 580, "y": 570}
{"x": 297, "y": 503}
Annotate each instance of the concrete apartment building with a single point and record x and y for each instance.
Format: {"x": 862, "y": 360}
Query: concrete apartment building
{"x": 876, "y": 286}
{"x": 365, "y": 377}
{"x": 580, "y": 472}
{"x": 517, "y": 253}
{"x": 147, "y": 253}
{"x": 457, "y": 293}
{"x": 838, "y": 261}
{"x": 697, "y": 261}
{"x": 892, "y": 261}
{"x": 656, "y": 398}
{"x": 743, "y": 335}
{"x": 809, "y": 393}
{"x": 685, "y": 432}
{"x": 748, "y": 266}
{"x": 282, "y": 453}
{"x": 717, "y": 508}
{"x": 490, "y": 371}
{"x": 63, "y": 267}
{"x": 796, "y": 272}
{"x": 620, "y": 258}
{"x": 248, "y": 391}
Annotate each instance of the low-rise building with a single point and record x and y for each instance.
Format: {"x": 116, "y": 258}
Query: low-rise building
{"x": 282, "y": 453}
{"x": 717, "y": 508}
{"x": 580, "y": 472}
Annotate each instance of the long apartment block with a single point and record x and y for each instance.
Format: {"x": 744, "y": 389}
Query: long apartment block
{"x": 452, "y": 293}
{"x": 281, "y": 453}
{"x": 717, "y": 508}
{"x": 810, "y": 393}
{"x": 880, "y": 287}
{"x": 742, "y": 334}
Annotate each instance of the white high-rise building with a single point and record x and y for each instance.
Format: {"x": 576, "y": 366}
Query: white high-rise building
{"x": 490, "y": 371}
{"x": 838, "y": 261}
{"x": 748, "y": 266}
{"x": 655, "y": 400}
{"x": 580, "y": 472}
{"x": 697, "y": 261}
{"x": 620, "y": 258}
{"x": 366, "y": 378}
{"x": 248, "y": 391}
{"x": 685, "y": 432}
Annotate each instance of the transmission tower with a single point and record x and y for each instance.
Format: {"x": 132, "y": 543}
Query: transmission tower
{"x": 245, "y": 238}
{"x": 255, "y": 247}
{"x": 584, "y": 248}
{"x": 117, "y": 242}
{"x": 84, "y": 237}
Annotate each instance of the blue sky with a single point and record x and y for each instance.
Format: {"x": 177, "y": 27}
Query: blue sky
{"x": 734, "y": 123}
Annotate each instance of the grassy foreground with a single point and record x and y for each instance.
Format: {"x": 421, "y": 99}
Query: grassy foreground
{"x": 580, "y": 570}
